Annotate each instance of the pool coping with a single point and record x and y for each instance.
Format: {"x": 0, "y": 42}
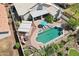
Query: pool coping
{"x": 53, "y": 40}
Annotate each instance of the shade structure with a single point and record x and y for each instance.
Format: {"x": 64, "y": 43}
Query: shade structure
{"x": 25, "y": 26}
{"x": 38, "y": 13}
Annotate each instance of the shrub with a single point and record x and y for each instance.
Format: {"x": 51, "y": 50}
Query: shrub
{"x": 69, "y": 38}
{"x": 62, "y": 43}
{"x": 56, "y": 47}
{"x": 49, "y": 50}
{"x": 17, "y": 45}
{"x": 17, "y": 23}
{"x": 27, "y": 51}
{"x": 46, "y": 51}
{"x": 73, "y": 22}
{"x": 49, "y": 18}
{"x": 60, "y": 53}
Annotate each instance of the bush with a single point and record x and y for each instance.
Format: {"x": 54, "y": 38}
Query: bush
{"x": 69, "y": 38}
{"x": 46, "y": 51}
{"x": 17, "y": 23}
{"x": 49, "y": 18}
{"x": 73, "y": 22}
{"x": 49, "y": 50}
{"x": 56, "y": 47}
{"x": 17, "y": 45}
{"x": 60, "y": 53}
{"x": 27, "y": 51}
{"x": 62, "y": 43}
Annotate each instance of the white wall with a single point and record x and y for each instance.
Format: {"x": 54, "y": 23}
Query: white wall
{"x": 2, "y": 36}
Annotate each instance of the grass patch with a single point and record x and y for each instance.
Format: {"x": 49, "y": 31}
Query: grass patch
{"x": 73, "y": 10}
{"x": 73, "y": 22}
{"x": 73, "y": 52}
{"x": 27, "y": 51}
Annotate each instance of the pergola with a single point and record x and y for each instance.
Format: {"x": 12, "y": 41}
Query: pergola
{"x": 25, "y": 26}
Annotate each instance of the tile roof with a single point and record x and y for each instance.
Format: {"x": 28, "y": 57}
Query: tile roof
{"x": 4, "y": 27}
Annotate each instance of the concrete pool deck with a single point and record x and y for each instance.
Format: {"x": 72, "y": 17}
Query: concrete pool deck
{"x": 34, "y": 35}
{"x": 35, "y": 30}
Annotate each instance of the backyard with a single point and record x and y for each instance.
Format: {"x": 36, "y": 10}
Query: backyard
{"x": 61, "y": 48}
{"x": 56, "y": 49}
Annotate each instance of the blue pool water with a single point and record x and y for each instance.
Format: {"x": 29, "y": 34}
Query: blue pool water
{"x": 49, "y": 34}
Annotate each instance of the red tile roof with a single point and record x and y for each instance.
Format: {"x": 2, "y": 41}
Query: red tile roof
{"x": 3, "y": 19}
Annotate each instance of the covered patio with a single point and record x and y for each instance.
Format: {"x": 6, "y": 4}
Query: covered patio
{"x": 38, "y": 13}
{"x": 24, "y": 30}
{"x": 25, "y": 26}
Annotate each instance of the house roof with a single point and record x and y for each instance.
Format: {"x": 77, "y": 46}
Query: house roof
{"x": 52, "y": 10}
{"x": 25, "y": 26}
{"x": 23, "y": 8}
{"x": 37, "y": 13}
{"x": 4, "y": 27}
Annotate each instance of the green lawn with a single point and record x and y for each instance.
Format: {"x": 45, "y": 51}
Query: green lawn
{"x": 73, "y": 52}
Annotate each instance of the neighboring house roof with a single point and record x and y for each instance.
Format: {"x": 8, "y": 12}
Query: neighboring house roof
{"x": 25, "y": 26}
{"x": 23, "y": 8}
{"x": 4, "y": 27}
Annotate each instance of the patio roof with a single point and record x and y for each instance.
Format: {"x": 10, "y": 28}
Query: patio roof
{"x": 37, "y": 13}
{"x": 25, "y": 26}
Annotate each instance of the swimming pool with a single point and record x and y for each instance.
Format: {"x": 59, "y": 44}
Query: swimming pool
{"x": 49, "y": 34}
